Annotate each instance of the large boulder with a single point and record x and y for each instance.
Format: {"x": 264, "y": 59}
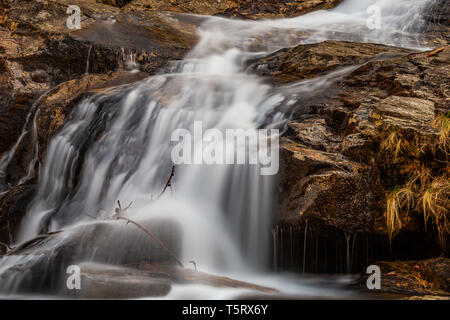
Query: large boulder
{"x": 111, "y": 242}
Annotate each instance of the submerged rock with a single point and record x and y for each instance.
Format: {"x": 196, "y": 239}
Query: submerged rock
{"x": 110, "y": 242}
{"x": 99, "y": 281}
{"x": 108, "y": 282}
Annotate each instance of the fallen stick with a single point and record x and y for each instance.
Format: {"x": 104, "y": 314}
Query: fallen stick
{"x": 154, "y": 238}
{"x": 435, "y": 52}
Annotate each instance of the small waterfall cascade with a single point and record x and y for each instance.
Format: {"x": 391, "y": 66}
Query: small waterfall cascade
{"x": 118, "y": 146}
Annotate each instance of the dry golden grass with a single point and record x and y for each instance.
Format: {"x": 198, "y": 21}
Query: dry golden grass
{"x": 399, "y": 201}
{"x": 442, "y": 123}
{"x": 434, "y": 203}
{"x": 424, "y": 177}
{"x": 427, "y": 193}
{"x": 394, "y": 143}
{"x": 432, "y": 199}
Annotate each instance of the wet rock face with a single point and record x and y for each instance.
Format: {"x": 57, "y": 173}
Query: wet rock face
{"x": 437, "y": 17}
{"x": 29, "y": 75}
{"x": 55, "y": 108}
{"x": 50, "y": 16}
{"x": 312, "y": 60}
{"x": 38, "y": 51}
{"x": 12, "y": 209}
{"x": 236, "y": 8}
{"x": 322, "y": 177}
{"x": 337, "y": 167}
{"x": 325, "y": 188}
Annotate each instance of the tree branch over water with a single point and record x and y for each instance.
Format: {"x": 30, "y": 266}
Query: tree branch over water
{"x": 154, "y": 237}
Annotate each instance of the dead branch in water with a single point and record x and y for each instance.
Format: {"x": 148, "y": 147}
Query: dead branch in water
{"x": 161, "y": 244}
{"x": 118, "y": 211}
{"x": 169, "y": 182}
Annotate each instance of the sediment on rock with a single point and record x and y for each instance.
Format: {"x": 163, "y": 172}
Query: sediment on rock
{"x": 234, "y": 9}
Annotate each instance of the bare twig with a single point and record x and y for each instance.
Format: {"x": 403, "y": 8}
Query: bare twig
{"x": 119, "y": 210}
{"x": 169, "y": 182}
{"x": 128, "y": 207}
{"x": 154, "y": 238}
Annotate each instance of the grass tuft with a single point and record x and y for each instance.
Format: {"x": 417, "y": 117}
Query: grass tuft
{"x": 400, "y": 200}
{"x": 434, "y": 203}
{"x": 394, "y": 143}
{"x": 442, "y": 123}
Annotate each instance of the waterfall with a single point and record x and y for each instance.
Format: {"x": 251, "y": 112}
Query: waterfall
{"x": 117, "y": 146}
{"x": 87, "y": 60}
{"x": 217, "y": 205}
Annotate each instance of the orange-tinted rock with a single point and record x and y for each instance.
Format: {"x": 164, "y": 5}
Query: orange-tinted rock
{"x": 234, "y": 8}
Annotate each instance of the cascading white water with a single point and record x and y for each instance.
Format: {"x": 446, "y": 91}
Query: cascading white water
{"x": 225, "y": 211}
